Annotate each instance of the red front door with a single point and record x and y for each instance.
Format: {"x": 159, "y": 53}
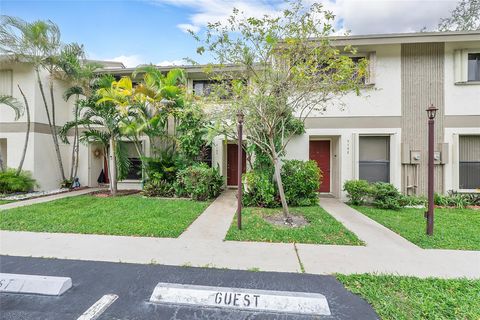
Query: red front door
{"x": 232, "y": 164}
{"x": 320, "y": 152}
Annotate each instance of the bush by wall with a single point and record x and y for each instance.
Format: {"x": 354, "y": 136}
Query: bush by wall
{"x": 10, "y": 182}
{"x": 259, "y": 189}
{"x": 301, "y": 181}
{"x": 199, "y": 182}
{"x": 457, "y": 200}
{"x": 357, "y": 191}
{"x": 386, "y": 196}
{"x": 157, "y": 186}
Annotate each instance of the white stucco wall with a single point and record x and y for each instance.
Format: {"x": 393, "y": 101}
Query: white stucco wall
{"x": 451, "y": 169}
{"x": 382, "y": 99}
{"x": 298, "y": 148}
{"x": 460, "y": 99}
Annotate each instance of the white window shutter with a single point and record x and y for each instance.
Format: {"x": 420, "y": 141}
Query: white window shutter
{"x": 6, "y": 82}
{"x": 460, "y": 65}
{"x": 372, "y": 60}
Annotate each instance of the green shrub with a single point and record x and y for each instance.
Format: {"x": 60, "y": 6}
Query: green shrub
{"x": 386, "y": 196}
{"x": 259, "y": 189}
{"x": 200, "y": 182}
{"x": 301, "y": 181}
{"x": 156, "y": 186}
{"x": 357, "y": 191}
{"x": 413, "y": 201}
{"x": 10, "y": 182}
{"x": 164, "y": 166}
{"x": 457, "y": 200}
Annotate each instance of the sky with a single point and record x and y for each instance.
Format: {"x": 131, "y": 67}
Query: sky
{"x": 155, "y": 31}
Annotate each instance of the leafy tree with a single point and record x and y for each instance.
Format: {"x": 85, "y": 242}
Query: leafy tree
{"x": 286, "y": 69}
{"x": 466, "y": 16}
{"x": 37, "y": 43}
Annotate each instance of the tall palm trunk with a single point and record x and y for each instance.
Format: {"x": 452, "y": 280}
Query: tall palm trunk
{"x": 27, "y": 135}
{"x": 75, "y": 147}
{"x": 113, "y": 166}
{"x": 53, "y": 129}
{"x": 278, "y": 178}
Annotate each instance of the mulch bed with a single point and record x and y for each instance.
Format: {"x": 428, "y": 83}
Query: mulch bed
{"x": 278, "y": 219}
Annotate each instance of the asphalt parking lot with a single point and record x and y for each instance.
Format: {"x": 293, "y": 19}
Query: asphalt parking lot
{"x": 134, "y": 284}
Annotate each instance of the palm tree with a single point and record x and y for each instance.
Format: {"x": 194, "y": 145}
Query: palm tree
{"x": 37, "y": 43}
{"x": 78, "y": 74}
{"x": 101, "y": 120}
{"x": 18, "y": 108}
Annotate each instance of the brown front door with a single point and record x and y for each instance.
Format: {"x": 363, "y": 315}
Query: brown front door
{"x": 320, "y": 152}
{"x": 232, "y": 164}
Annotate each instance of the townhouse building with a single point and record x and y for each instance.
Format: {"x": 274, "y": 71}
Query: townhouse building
{"x": 380, "y": 135}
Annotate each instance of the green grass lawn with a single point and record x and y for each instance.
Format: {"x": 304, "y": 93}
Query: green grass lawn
{"x": 453, "y": 228}
{"x": 323, "y": 228}
{"x": 5, "y": 201}
{"x": 125, "y": 215}
{"x": 409, "y": 298}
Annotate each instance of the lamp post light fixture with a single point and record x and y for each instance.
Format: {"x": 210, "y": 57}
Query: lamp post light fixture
{"x": 431, "y": 113}
{"x": 240, "y": 169}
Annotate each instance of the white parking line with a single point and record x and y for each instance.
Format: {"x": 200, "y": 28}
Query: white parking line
{"x": 98, "y": 307}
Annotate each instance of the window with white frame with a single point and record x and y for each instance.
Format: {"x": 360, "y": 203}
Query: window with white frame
{"x": 374, "y": 158}
{"x": 469, "y": 162}
{"x": 467, "y": 66}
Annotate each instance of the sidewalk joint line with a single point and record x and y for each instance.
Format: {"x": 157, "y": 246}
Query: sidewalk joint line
{"x": 302, "y": 268}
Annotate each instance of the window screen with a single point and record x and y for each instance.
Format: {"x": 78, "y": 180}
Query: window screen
{"x": 6, "y": 82}
{"x": 474, "y": 67}
{"x": 469, "y": 164}
{"x": 135, "y": 169}
{"x": 374, "y": 158}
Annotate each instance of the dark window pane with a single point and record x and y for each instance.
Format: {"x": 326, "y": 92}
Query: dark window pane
{"x": 474, "y": 67}
{"x": 374, "y": 171}
{"x": 374, "y": 158}
{"x": 135, "y": 170}
{"x": 469, "y": 164}
{"x": 469, "y": 175}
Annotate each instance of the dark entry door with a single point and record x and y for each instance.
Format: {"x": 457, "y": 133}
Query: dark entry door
{"x": 320, "y": 152}
{"x": 232, "y": 164}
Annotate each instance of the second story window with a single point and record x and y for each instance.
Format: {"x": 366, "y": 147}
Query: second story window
{"x": 474, "y": 67}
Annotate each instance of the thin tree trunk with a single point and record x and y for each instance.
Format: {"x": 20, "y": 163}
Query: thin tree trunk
{"x": 278, "y": 178}
{"x": 113, "y": 167}
{"x": 27, "y": 135}
{"x": 52, "y": 130}
{"x": 74, "y": 165}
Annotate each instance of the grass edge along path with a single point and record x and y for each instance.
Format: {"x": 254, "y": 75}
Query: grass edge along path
{"x": 322, "y": 228}
{"x": 132, "y": 215}
{"x": 454, "y": 228}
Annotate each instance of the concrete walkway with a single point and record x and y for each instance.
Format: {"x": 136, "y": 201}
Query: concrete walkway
{"x": 371, "y": 232}
{"x": 202, "y": 244}
{"x": 214, "y": 222}
{"x": 52, "y": 197}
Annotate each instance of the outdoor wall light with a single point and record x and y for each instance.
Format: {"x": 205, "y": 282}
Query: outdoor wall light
{"x": 431, "y": 112}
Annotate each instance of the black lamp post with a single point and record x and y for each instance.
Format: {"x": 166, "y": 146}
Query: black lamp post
{"x": 240, "y": 169}
{"x": 431, "y": 113}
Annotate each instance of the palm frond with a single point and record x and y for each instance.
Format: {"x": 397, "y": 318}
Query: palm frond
{"x": 123, "y": 162}
{"x": 14, "y": 104}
